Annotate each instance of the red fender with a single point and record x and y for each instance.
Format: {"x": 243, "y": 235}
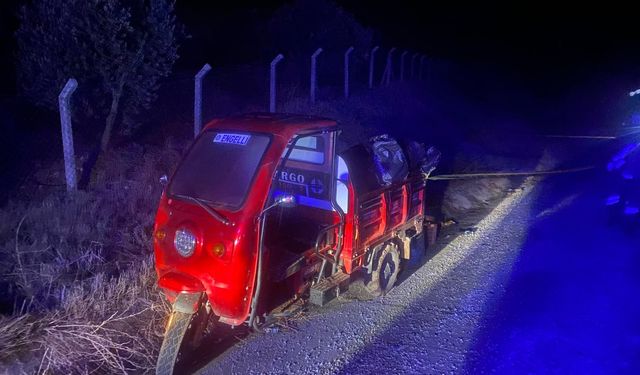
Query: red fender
{"x": 175, "y": 284}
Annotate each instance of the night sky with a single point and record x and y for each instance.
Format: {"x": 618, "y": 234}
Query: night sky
{"x": 535, "y": 40}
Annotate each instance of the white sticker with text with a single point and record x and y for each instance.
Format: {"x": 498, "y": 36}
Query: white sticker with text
{"x": 233, "y": 139}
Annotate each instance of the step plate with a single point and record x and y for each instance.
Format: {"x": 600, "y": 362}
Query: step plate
{"x": 328, "y": 288}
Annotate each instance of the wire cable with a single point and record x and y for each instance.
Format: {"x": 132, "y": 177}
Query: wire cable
{"x": 461, "y": 176}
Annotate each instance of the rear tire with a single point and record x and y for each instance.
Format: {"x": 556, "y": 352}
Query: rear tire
{"x": 385, "y": 271}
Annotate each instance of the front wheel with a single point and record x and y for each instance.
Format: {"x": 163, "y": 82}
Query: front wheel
{"x": 177, "y": 327}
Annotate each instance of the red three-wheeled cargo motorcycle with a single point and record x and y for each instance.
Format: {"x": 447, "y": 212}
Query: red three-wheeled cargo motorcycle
{"x": 262, "y": 210}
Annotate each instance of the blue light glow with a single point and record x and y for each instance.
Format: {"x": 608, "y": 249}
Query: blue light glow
{"x": 627, "y": 175}
{"x": 613, "y": 199}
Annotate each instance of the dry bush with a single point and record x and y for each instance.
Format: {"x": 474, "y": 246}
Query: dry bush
{"x": 108, "y": 326}
{"x": 105, "y": 325}
{"x": 54, "y": 240}
{"x": 78, "y": 270}
{"x": 16, "y": 335}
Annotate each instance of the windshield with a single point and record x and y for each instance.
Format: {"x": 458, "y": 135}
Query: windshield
{"x": 219, "y": 167}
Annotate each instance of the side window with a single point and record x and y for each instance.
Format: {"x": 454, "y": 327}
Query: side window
{"x": 309, "y": 150}
{"x": 307, "y": 172}
{"x": 342, "y": 191}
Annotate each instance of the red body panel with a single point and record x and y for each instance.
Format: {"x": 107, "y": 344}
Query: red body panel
{"x": 229, "y": 280}
{"x": 374, "y": 217}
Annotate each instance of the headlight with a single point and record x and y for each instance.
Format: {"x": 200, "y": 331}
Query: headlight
{"x": 185, "y": 242}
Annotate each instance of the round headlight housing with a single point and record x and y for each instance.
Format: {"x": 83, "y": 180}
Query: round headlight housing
{"x": 184, "y": 242}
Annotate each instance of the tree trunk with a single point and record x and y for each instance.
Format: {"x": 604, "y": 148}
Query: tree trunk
{"x": 111, "y": 119}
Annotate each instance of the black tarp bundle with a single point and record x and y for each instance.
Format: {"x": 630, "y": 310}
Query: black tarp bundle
{"x": 422, "y": 160}
{"x": 389, "y": 159}
{"x": 382, "y": 161}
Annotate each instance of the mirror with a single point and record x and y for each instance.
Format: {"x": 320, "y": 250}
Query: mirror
{"x": 164, "y": 179}
{"x": 286, "y": 201}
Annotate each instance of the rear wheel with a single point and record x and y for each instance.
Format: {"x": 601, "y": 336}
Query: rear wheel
{"x": 385, "y": 272}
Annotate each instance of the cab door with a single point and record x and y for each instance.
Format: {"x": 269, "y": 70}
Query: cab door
{"x": 308, "y": 175}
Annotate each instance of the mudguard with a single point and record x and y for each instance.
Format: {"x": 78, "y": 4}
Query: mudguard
{"x": 187, "y": 302}
{"x": 182, "y": 291}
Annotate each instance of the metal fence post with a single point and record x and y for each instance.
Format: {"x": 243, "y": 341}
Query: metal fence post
{"x": 422, "y": 65}
{"x": 67, "y": 134}
{"x": 272, "y": 83}
{"x": 197, "y": 99}
{"x": 346, "y": 71}
{"x": 404, "y": 54}
{"x": 413, "y": 64}
{"x": 313, "y": 76}
{"x": 371, "y": 65}
{"x": 388, "y": 70}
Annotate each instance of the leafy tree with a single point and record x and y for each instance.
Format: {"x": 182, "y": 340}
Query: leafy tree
{"x": 118, "y": 50}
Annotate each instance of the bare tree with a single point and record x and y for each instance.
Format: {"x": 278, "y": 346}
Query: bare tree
{"x": 118, "y": 50}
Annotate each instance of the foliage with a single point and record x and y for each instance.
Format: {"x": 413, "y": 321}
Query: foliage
{"x": 117, "y": 51}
